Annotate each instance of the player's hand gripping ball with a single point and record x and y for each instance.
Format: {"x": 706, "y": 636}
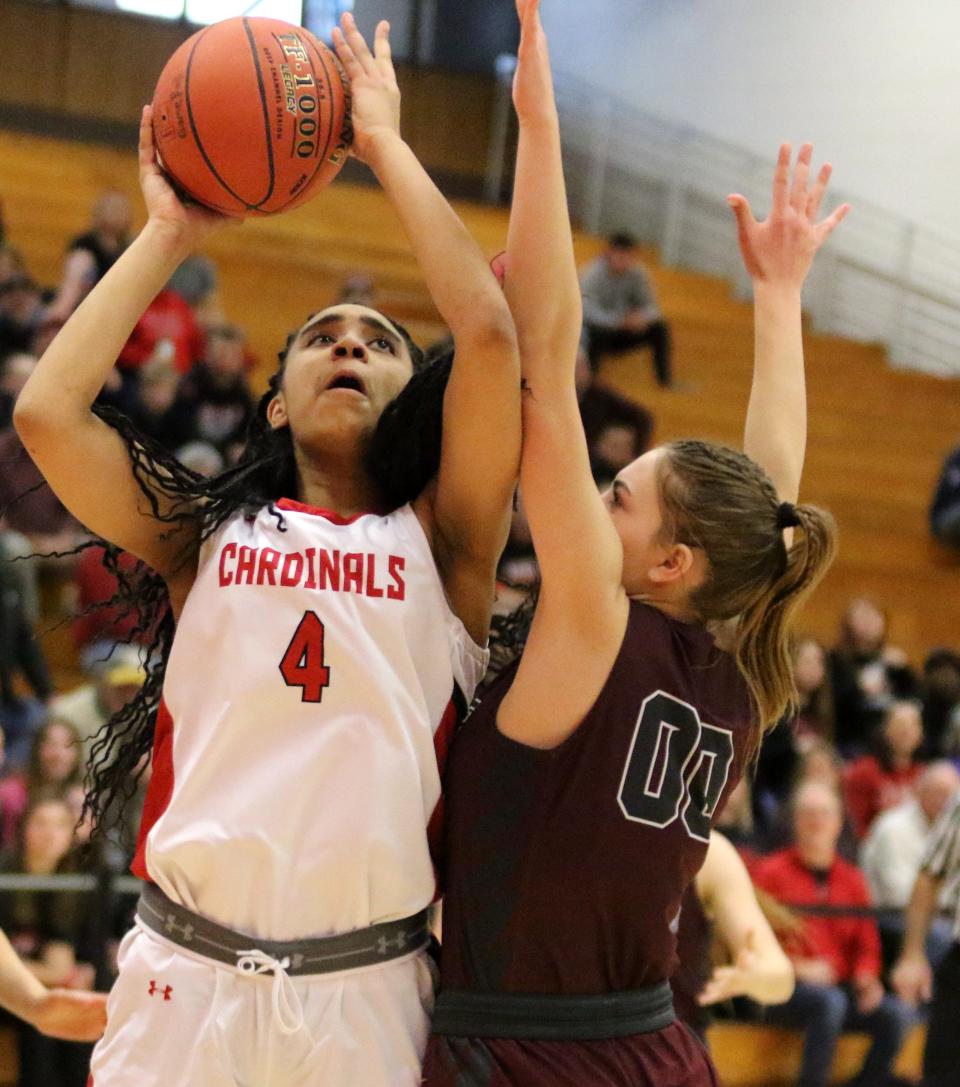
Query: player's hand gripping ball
{"x": 252, "y": 116}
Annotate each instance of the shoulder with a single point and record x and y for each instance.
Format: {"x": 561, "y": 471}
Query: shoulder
{"x": 774, "y": 865}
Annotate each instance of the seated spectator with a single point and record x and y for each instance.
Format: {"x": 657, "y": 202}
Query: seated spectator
{"x": 620, "y": 310}
{"x": 27, "y": 504}
{"x": 945, "y": 508}
{"x": 214, "y": 398}
{"x": 518, "y": 564}
{"x": 21, "y": 710}
{"x": 877, "y": 782}
{"x": 820, "y": 763}
{"x": 92, "y": 254}
{"x": 358, "y": 289}
{"x": 836, "y": 957}
{"x": 156, "y": 409}
{"x": 49, "y": 930}
{"x": 15, "y": 368}
{"x": 866, "y": 675}
{"x": 167, "y": 330}
{"x": 99, "y": 630}
{"x": 812, "y": 723}
{"x": 602, "y": 409}
{"x": 195, "y": 280}
{"x": 201, "y": 457}
{"x": 941, "y": 701}
{"x": 735, "y": 821}
{"x": 90, "y": 706}
{"x": 55, "y": 769}
{"x": 21, "y": 304}
{"x": 891, "y": 854}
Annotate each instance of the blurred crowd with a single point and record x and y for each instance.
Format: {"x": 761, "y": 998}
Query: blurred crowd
{"x": 834, "y": 819}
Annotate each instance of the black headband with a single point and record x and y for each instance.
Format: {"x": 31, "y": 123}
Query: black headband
{"x": 787, "y": 516}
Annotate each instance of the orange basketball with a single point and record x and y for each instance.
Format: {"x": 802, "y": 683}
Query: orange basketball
{"x": 252, "y": 116}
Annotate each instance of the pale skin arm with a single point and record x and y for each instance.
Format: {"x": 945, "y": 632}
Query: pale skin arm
{"x": 61, "y": 1013}
{"x": 912, "y": 977}
{"x": 83, "y": 459}
{"x": 759, "y": 968}
{"x": 469, "y": 509}
{"x": 582, "y": 609}
{"x": 778, "y": 253}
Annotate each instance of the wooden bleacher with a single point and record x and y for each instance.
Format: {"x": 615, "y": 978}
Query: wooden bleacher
{"x": 877, "y": 437}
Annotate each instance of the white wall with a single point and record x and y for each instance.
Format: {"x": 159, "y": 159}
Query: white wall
{"x": 875, "y": 84}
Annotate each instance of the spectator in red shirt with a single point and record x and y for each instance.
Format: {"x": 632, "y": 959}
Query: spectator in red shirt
{"x": 167, "y": 324}
{"x": 875, "y": 783}
{"x": 836, "y": 957}
{"x": 100, "y": 627}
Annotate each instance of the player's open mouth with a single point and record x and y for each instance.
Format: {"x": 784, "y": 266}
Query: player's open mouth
{"x": 346, "y": 379}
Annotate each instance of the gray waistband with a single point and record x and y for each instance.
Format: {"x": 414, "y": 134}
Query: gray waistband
{"x": 326, "y": 955}
{"x": 553, "y": 1018}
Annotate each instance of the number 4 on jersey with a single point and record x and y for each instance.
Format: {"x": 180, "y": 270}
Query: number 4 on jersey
{"x": 678, "y": 766}
{"x": 302, "y": 664}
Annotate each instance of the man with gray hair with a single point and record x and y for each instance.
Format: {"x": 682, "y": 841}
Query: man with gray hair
{"x": 891, "y": 854}
{"x": 837, "y": 956}
{"x": 912, "y": 976}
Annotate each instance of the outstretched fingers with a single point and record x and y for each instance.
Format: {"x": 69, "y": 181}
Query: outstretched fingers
{"x": 816, "y": 193}
{"x": 827, "y": 227}
{"x": 740, "y": 206}
{"x": 781, "y": 180}
{"x": 801, "y": 176}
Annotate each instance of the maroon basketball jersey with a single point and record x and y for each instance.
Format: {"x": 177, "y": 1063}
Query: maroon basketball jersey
{"x": 565, "y": 868}
{"x": 694, "y": 936}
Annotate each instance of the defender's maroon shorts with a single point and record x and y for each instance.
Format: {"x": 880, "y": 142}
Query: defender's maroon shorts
{"x": 671, "y": 1057}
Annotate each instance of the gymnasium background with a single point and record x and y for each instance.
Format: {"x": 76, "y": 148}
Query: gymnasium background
{"x": 667, "y": 105}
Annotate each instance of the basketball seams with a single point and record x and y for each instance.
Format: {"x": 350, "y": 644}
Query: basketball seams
{"x": 196, "y": 134}
{"x": 254, "y": 50}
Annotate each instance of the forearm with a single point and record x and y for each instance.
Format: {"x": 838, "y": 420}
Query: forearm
{"x": 775, "y": 435}
{"x": 456, "y": 272}
{"x": 75, "y": 366}
{"x": 774, "y": 979}
{"x": 20, "y": 990}
{"x": 919, "y": 916}
{"x": 541, "y": 283}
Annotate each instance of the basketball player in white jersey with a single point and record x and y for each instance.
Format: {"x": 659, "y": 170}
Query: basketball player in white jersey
{"x": 322, "y": 640}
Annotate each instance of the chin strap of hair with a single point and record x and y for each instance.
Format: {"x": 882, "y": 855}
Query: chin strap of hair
{"x": 787, "y": 516}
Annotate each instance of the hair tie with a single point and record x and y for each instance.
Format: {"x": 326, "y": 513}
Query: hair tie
{"x": 787, "y": 516}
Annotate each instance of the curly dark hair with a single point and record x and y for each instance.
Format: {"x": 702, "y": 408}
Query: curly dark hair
{"x": 403, "y": 455}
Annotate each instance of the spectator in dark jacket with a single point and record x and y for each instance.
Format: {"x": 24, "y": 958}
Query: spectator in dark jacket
{"x": 945, "y": 509}
{"x": 941, "y": 701}
{"x": 214, "y": 398}
{"x": 20, "y": 655}
{"x": 866, "y": 674}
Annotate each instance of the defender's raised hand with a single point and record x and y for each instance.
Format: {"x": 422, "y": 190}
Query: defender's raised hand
{"x": 373, "y": 83}
{"x": 532, "y": 82}
{"x": 781, "y": 248}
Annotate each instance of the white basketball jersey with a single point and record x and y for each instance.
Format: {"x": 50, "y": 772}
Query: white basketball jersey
{"x": 295, "y": 770}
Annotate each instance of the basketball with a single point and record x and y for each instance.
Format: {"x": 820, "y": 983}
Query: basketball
{"x": 251, "y": 116}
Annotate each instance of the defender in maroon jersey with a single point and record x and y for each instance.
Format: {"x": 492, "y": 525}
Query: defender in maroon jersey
{"x": 580, "y": 795}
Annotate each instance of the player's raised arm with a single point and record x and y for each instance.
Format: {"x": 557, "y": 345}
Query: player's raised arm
{"x": 778, "y": 253}
{"x": 577, "y": 547}
{"x": 84, "y": 460}
{"x": 481, "y": 432}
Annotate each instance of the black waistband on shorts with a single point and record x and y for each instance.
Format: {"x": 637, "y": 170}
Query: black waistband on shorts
{"x": 323, "y": 955}
{"x": 553, "y": 1018}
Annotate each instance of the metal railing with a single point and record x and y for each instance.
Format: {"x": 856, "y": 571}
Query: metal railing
{"x": 882, "y": 278}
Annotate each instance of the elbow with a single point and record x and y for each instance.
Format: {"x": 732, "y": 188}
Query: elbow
{"x": 783, "y": 981}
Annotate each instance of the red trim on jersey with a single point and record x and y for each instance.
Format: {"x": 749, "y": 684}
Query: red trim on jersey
{"x": 331, "y": 515}
{"x": 159, "y": 790}
{"x": 442, "y": 739}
